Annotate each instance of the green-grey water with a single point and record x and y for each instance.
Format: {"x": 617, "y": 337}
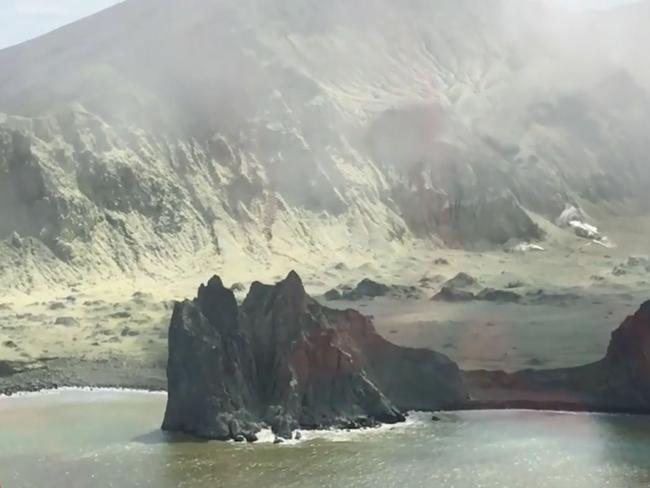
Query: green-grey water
{"x": 111, "y": 439}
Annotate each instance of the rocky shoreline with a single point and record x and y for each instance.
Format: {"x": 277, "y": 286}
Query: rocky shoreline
{"x": 32, "y": 384}
{"x": 48, "y": 374}
{"x": 351, "y": 378}
{"x": 108, "y": 376}
{"x": 99, "y": 374}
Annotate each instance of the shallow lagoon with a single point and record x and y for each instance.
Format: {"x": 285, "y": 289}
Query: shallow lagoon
{"x": 71, "y": 438}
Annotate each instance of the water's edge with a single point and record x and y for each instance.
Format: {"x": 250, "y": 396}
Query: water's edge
{"x": 61, "y": 373}
{"x": 470, "y": 406}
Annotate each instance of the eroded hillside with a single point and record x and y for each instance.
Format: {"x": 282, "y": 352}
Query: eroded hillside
{"x": 275, "y": 132}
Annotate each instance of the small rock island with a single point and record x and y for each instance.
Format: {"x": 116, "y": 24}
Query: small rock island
{"x": 283, "y": 360}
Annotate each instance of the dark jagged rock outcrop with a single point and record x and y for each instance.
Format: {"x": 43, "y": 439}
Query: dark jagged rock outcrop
{"x": 499, "y": 296}
{"x": 462, "y": 280}
{"x": 283, "y": 360}
{"x": 620, "y": 382}
{"x": 368, "y": 289}
{"x": 451, "y": 294}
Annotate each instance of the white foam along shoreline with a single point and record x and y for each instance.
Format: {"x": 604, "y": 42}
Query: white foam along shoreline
{"x": 79, "y": 389}
{"x": 265, "y": 436}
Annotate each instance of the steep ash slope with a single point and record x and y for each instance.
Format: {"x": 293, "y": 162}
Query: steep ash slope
{"x": 159, "y": 129}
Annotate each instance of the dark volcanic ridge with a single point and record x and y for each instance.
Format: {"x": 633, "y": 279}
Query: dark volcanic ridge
{"x": 282, "y": 359}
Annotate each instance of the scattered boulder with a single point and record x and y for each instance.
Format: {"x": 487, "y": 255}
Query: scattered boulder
{"x": 511, "y": 285}
{"x": 129, "y": 332}
{"x": 141, "y": 297}
{"x": 282, "y": 423}
{"x": 250, "y": 437}
{"x": 462, "y": 280}
{"x": 639, "y": 262}
{"x": 405, "y": 292}
{"x": 451, "y": 294}
{"x": 455, "y": 289}
{"x": 67, "y": 321}
{"x": 283, "y": 360}
{"x": 122, "y": 314}
{"x": 634, "y": 264}
{"x": 371, "y": 289}
{"x": 441, "y": 262}
{"x": 543, "y": 297}
{"x": 427, "y": 281}
{"x": 333, "y": 295}
{"x": 367, "y": 288}
{"x": 237, "y": 287}
{"x": 499, "y": 296}
{"x": 10, "y": 344}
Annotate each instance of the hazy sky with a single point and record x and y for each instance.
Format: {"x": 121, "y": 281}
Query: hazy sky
{"x": 21, "y": 20}
{"x": 24, "y": 19}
